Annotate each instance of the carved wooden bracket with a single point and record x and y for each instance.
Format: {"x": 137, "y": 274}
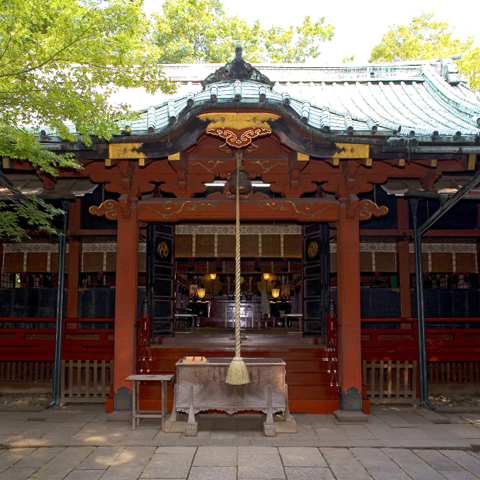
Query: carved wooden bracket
{"x": 124, "y": 203}
{"x": 369, "y": 208}
{"x": 429, "y": 178}
{"x": 48, "y": 181}
{"x": 352, "y": 205}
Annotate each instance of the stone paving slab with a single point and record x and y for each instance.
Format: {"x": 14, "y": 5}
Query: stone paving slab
{"x": 444, "y": 465}
{"x": 301, "y": 457}
{"x": 215, "y": 457}
{"x": 260, "y": 466}
{"x": 412, "y": 464}
{"x": 397, "y": 443}
{"x": 309, "y": 473}
{"x": 245, "y": 463}
{"x": 388, "y": 426}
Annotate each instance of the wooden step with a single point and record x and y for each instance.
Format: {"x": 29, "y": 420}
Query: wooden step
{"x": 307, "y": 371}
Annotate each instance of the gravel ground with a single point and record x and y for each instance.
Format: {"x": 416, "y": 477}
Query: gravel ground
{"x": 452, "y": 400}
{"x": 25, "y": 400}
{"x": 40, "y": 400}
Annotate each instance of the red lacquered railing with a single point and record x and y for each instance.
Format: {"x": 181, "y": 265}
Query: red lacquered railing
{"x": 37, "y": 344}
{"x": 442, "y": 344}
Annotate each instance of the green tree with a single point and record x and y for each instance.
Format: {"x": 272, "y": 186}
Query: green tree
{"x": 425, "y": 39}
{"x": 197, "y": 31}
{"x": 60, "y": 60}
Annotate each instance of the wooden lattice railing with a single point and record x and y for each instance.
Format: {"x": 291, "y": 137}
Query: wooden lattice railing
{"x": 390, "y": 382}
{"x": 26, "y": 371}
{"x": 86, "y": 381}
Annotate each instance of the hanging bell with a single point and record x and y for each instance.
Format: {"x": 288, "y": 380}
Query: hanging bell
{"x": 244, "y": 181}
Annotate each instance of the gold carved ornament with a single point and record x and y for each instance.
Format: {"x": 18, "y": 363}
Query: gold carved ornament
{"x": 312, "y": 249}
{"x": 264, "y": 165}
{"x": 168, "y": 209}
{"x": 238, "y": 129}
{"x": 163, "y": 250}
{"x": 367, "y": 208}
{"x": 109, "y": 208}
{"x": 307, "y": 209}
{"x": 239, "y": 138}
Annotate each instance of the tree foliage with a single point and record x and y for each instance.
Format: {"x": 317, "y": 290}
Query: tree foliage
{"x": 197, "y": 31}
{"x": 426, "y": 39}
{"x": 60, "y": 60}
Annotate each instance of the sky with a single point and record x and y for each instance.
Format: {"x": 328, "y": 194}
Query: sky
{"x": 359, "y": 25}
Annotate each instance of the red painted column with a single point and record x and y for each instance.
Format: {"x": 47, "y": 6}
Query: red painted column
{"x": 126, "y": 305}
{"x": 74, "y": 255}
{"x": 403, "y": 262}
{"x": 349, "y": 320}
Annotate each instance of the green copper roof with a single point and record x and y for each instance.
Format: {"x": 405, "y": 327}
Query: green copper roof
{"x": 426, "y": 100}
{"x": 393, "y": 99}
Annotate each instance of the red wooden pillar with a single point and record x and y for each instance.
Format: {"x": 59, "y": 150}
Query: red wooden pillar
{"x": 403, "y": 257}
{"x": 349, "y": 320}
{"x": 126, "y": 305}
{"x": 74, "y": 253}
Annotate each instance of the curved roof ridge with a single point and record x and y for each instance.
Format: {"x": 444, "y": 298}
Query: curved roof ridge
{"x": 448, "y": 94}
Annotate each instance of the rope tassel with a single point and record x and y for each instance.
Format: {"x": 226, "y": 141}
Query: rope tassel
{"x": 237, "y": 372}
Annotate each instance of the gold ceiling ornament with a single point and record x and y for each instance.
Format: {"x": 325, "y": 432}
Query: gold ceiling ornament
{"x": 238, "y": 121}
{"x": 367, "y": 208}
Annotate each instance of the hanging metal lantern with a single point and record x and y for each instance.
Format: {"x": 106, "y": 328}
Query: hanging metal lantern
{"x": 244, "y": 181}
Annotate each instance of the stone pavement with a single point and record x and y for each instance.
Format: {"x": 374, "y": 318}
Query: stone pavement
{"x": 397, "y": 443}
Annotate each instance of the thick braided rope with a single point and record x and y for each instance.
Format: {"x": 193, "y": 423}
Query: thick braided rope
{"x": 237, "y": 263}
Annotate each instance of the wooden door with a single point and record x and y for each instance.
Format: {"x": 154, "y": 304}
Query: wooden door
{"x": 316, "y": 278}
{"x": 161, "y": 277}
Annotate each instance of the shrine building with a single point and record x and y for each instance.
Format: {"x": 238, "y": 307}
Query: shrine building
{"x": 343, "y": 164}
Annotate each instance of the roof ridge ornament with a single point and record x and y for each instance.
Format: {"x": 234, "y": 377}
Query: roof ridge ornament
{"x": 237, "y": 69}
